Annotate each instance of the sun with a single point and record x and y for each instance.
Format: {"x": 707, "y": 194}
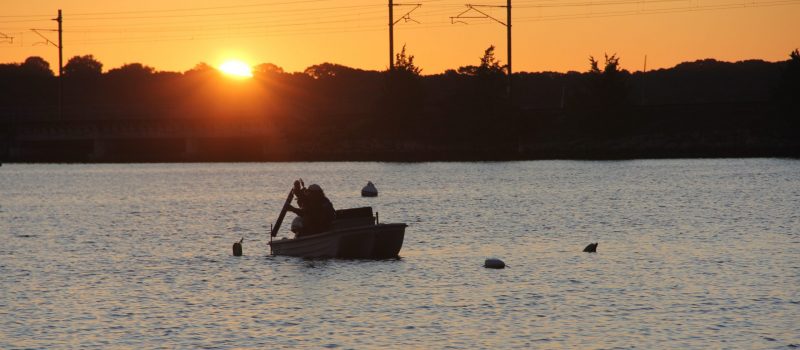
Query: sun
{"x": 236, "y": 68}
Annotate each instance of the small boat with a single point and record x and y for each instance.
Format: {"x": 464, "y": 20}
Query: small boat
{"x": 355, "y": 234}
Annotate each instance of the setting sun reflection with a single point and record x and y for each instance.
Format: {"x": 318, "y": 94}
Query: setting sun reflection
{"x": 236, "y": 68}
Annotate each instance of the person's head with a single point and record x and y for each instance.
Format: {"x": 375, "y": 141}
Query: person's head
{"x": 315, "y": 190}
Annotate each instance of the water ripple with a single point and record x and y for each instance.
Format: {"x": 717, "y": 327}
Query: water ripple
{"x": 692, "y": 254}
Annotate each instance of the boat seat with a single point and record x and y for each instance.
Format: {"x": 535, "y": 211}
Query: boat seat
{"x": 353, "y": 217}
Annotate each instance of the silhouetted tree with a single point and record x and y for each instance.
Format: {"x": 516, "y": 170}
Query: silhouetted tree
{"x": 403, "y": 97}
{"x": 82, "y": 86}
{"x": 36, "y": 66}
{"x": 328, "y": 70}
{"x": 789, "y": 87}
{"x": 481, "y": 99}
{"x": 405, "y": 63}
{"x": 330, "y": 109}
{"x": 30, "y": 83}
{"x": 489, "y": 63}
{"x": 132, "y": 86}
{"x": 131, "y": 71}
{"x": 267, "y": 68}
{"x": 489, "y": 67}
{"x": 338, "y": 99}
{"x": 609, "y": 87}
{"x": 201, "y": 68}
{"x": 83, "y": 67}
{"x": 599, "y": 107}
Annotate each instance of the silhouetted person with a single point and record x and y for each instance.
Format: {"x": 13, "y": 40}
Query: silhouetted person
{"x": 316, "y": 210}
{"x": 299, "y": 191}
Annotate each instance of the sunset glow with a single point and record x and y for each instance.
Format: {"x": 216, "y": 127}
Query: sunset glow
{"x": 237, "y": 69}
{"x": 176, "y": 35}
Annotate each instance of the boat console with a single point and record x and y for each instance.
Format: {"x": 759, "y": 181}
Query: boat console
{"x": 353, "y": 217}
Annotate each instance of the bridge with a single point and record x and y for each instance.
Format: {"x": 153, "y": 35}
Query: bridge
{"x": 142, "y": 139}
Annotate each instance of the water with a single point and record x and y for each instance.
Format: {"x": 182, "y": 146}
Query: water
{"x": 692, "y": 254}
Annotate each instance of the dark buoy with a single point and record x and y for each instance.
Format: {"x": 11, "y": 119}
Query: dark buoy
{"x": 591, "y": 248}
{"x": 237, "y": 247}
{"x": 494, "y": 263}
{"x": 369, "y": 190}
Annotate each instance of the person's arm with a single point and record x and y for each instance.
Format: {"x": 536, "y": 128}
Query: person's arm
{"x": 297, "y": 211}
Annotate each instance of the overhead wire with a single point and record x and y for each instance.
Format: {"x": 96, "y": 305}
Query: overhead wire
{"x": 203, "y": 8}
{"x": 218, "y": 14}
{"x": 182, "y": 26}
{"x": 268, "y": 28}
{"x": 656, "y": 11}
{"x": 219, "y": 22}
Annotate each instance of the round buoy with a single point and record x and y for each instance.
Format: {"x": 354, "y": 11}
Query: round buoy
{"x": 369, "y": 190}
{"x": 494, "y": 263}
{"x": 237, "y": 248}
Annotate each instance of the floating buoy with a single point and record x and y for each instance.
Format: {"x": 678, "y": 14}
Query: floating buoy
{"x": 591, "y": 248}
{"x": 494, "y": 263}
{"x": 237, "y": 247}
{"x": 369, "y": 190}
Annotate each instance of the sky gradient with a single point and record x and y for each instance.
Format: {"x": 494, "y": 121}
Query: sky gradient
{"x": 548, "y": 35}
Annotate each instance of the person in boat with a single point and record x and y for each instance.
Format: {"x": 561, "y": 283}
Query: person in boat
{"x": 315, "y": 210}
{"x": 299, "y": 191}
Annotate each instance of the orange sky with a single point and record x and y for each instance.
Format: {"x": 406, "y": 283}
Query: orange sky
{"x": 548, "y": 35}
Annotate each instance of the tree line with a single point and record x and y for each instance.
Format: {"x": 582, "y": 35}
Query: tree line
{"x": 700, "y": 108}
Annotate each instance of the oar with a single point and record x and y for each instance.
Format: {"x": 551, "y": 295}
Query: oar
{"x": 283, "y": 213}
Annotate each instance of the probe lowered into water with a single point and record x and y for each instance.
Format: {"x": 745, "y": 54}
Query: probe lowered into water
{"x": 237, "y": 247}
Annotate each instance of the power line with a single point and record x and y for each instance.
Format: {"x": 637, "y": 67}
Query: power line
{"x": 6, "y": 39}
{"x": 392, "y": 22}
{"x": 597, "y": 4}
{"x": 215, "y": 14}
{"x": 21, "y": 16}
{"x": 657, "y": 11}
{"x": 221, "y": 26}
{"x": 345, "y": 22}
{"x": 225, "y": 23}
{"x": 202, "y": 8}
{"x": 38, "y": 19}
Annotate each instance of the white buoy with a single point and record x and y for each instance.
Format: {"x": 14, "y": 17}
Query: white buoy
{"x": 369, "y": 190}
{"x": 494, "y": 263}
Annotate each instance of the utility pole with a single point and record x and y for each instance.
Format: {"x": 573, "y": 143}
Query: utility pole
{"x": 61, "y": 67}
{"x": 644, "y": 74}
{"x": 507, "y": 24}
{"x": 514, "y": 114}
{"x": 391, "y": 35}
{"x": 508, "y": 29}
{"x": 392, "y": 22}
{"x": 508, "y": 34}
{"x": 60, "y": 48}
{"x": 481, "y": 15}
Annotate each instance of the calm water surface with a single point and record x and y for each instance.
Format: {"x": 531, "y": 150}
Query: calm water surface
{"x": 693, "y": 254}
